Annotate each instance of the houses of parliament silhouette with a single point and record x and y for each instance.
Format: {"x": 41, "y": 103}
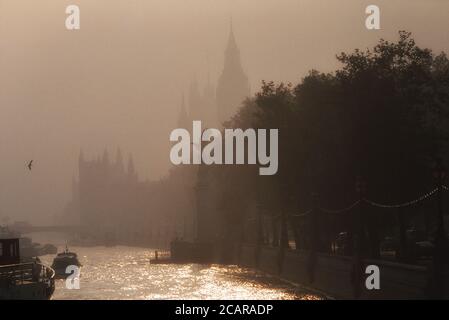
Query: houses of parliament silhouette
{"x": 213, "y": 107}
{"x": 108, "y": 198}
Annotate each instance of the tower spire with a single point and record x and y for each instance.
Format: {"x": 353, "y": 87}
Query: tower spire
{"x": 195, "y": 103}
{"x": 80, "y": 162}
{"x": 233, "y": 84}
{"x": 119, "y": 161}
{"x": 183, "y": 118}
{"x": 131, "y": 169}
{"x": 230, "y": 25}
{"x": 105, "y": 158}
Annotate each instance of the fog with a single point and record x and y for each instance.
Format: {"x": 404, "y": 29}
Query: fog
{"x": 119, "y": 80}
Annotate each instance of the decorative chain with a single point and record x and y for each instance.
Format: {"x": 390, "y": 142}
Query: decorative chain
{"x": 302, "y": 215}
{"x": 331, "y": 211}
{"x": 402, "y": 205}
{"x": 372, "y": 203}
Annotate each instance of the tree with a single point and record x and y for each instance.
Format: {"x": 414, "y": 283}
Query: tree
{"x": 383, "y": 115}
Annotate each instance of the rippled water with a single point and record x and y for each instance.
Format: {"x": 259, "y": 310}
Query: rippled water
{"x": 125, "y": 273}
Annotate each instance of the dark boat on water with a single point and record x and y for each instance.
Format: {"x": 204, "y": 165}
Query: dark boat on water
{"x": 62, "y": 261}
{"x": 23, "y": 280}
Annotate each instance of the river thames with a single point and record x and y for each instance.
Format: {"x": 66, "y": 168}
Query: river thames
{"x": 126, "y": 273}
{"x": 115, "y": 273}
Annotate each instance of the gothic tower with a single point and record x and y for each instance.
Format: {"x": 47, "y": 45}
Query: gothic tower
{"x": 233, "y": 86}
{"x": 195, "y": 101}
{"x": 183, "y": 118}
{"x": 131, "y": 171}
{"x": 210, "y": 103}
{"x": 119, "y": 165}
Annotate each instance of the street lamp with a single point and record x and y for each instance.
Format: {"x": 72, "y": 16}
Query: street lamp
{"x": 439, "y": 174}
{"x": 360, "y": 186}
{"x": 361, "y": 190}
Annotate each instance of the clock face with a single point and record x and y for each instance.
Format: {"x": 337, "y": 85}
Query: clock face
{"x": 316, "y": 127}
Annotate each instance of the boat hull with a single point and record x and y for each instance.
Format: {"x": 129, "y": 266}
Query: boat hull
{"x": 26, "y": 281}
{"x": 28, "y": 291}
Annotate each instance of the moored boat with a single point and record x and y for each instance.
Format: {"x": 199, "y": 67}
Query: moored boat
{"x": 23, "y": 281}
{"x": 64, "y": 260}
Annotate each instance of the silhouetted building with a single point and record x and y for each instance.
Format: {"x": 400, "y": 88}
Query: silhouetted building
{"x": 109, "y": 198}
{"x": 109, "y": 201}
{"x": 232, "y": 89}
{"x": 183, "y": 119}
{"x": 107, "y": 195}
{"x": 233, "y": 86}
{"x": 211, "y": 105}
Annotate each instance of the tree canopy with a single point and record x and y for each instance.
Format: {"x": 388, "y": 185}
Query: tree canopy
{"x": 383, "y": 115}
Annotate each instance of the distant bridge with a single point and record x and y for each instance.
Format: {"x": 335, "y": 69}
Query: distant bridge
{"x": 30, "y": 229}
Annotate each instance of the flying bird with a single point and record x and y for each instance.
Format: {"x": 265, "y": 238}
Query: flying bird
{"x": 30, "y": 164}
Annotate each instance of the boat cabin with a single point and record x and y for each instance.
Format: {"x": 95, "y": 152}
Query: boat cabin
{"x": 9, "y": 251}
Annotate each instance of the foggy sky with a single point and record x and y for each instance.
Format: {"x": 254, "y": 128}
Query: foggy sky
{"x": 119, "y": 80}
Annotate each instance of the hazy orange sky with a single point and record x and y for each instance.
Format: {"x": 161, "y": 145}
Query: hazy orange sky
{"x": 119, "y": 80}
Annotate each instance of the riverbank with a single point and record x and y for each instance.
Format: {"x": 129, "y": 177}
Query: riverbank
{"x": 340, "y": 277}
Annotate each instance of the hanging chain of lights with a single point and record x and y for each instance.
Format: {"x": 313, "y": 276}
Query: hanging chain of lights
{"x": 402, "y": 205}
{"x": 370, "y": 202}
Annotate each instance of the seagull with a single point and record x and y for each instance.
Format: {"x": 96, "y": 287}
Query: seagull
{"x": 30, "y": 164}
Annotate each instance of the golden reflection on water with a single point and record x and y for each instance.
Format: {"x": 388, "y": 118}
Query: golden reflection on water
{"x": 125, "y": 273}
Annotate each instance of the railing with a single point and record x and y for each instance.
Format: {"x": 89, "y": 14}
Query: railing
{"x": 25, "y": 272}
{"x": 318, "y": 228}
{"x": 360, "y": 230}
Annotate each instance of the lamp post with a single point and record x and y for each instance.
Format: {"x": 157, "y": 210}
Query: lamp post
{"x": 260, "y": 238}
{"x": 360, "y": 241}
{"x": 361, "y": 190}
{"x": 439, "y": 174}
{"x": 316, "y": 236}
